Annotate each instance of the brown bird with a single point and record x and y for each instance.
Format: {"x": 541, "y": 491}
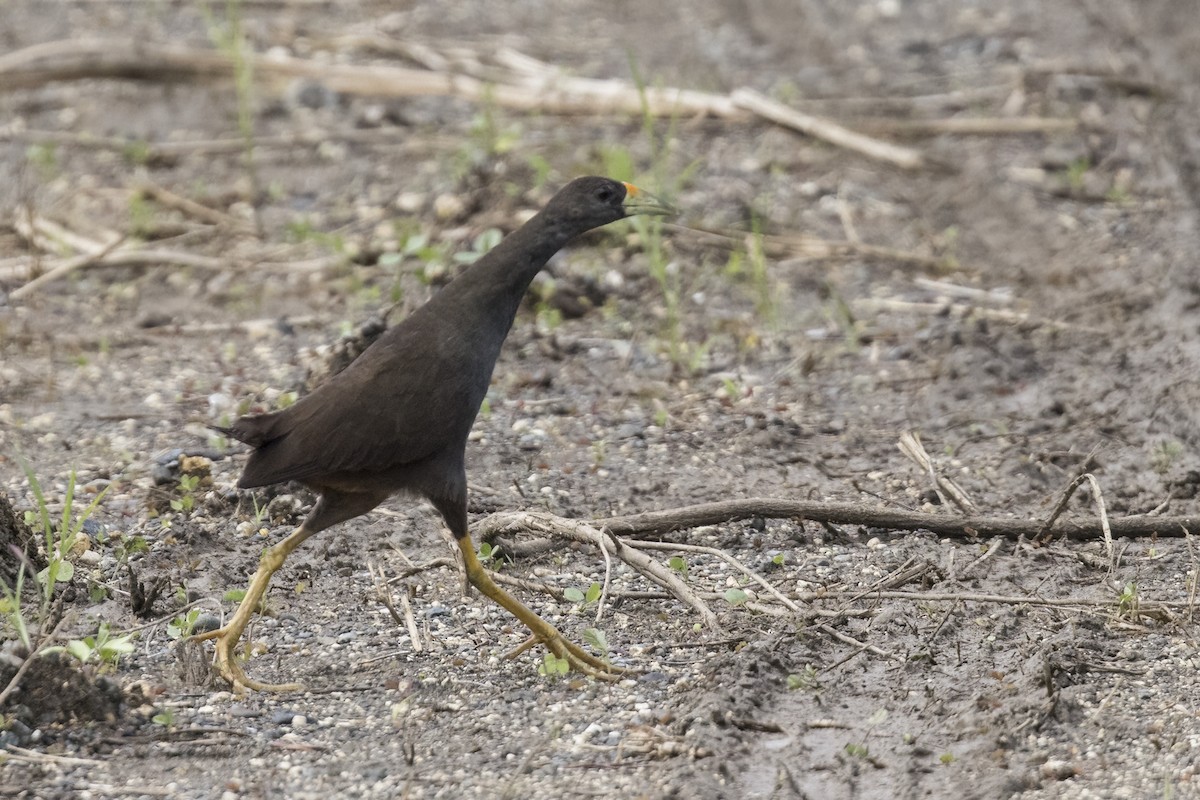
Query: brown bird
{"x": 397, "y": 419}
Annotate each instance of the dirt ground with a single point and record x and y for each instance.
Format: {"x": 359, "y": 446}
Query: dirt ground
{"x": 1025, "y": 302}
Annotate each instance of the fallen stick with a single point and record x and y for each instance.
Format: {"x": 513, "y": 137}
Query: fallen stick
{"x": 948, "y": 525}
{"x": 871, "y": 305}
{"x": 827, "y": 130}
{"x": 62, "y": 269}
{"x": 166, "y": 151}
{"x": 970, "y": 126}
{"x": 511, "y": 522}
{"x": 550, "y": 92}
{"x": 910, "y": 445}
{"x": 191, "y": 208}
{"x": 1156, "y": 608}
{"x": 803, "y": 246}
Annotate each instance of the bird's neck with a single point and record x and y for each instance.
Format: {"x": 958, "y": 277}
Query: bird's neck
{"x": 496, "y": 282}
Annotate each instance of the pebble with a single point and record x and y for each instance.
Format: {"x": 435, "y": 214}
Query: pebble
{"x": 1058, "y": 770}
{"x": 284, "y": 716}
{"x": 447, "y": 207}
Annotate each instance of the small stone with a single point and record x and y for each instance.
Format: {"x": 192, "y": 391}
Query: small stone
{"x": 447, "y": 207}
{"x": 1058, "y": 770}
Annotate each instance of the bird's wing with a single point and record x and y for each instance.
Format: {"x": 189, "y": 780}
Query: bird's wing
{"x": 394, "y": 405}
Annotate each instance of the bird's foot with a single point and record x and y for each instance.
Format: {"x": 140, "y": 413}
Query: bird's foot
{"x": 578, "y": 659}
{"x": 226, "y": 664}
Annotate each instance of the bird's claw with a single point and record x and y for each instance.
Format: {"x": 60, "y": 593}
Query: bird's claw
{"x": 227, "y": 667}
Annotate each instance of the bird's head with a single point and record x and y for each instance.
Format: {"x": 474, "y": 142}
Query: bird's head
{"x": 595, "y": 201}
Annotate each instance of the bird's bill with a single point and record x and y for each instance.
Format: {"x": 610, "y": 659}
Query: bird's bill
{"x": 638, "y": 201}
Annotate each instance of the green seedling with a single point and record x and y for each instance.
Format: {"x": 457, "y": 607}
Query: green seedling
{"x": 679, "y": 564}
{"x": 60, "y": 540}
{"x": 188, "y": 484}
{"x": 806, "y": 679}
{"x": 141, "y": 215}
{"x": 553, "y": 667}
{"x": 10, "y": 607}
{"x": 1128, "y": 602}
{"x": 1076, "y": 172}
{"x": 574, "y": 595}
{"x": 858, "y": 750}
{"x": 482, "y": 243}
{"x": 230, "y": 39}
{"x": 736, "y": 597}
{"x": 102, "y": 647}
{"x": 596, "y": 638}
{"x": 181, "y": 627}
{"x": 44, "y": 158}
{"x": 489, "y": 556}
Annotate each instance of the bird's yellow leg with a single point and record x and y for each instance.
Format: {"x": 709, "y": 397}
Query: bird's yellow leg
{"x": 228, "y": 636}
{"x": 579, "y": 659}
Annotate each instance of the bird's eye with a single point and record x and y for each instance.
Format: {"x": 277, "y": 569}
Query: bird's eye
{"x": 605, "y": 195}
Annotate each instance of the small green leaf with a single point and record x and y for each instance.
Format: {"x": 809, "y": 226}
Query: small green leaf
{"x": 113, "y": 649}
{"x": 596, "y": 638}
{"x": 487, "y": 240}
{"x": 80, "y": 650}
{"x": 415, "y": 244}
{"x": 552, "y": 666}
{"x": 572, "y": 594}
{"x": 805, "y": 679}
{"x": 594, "y": 591}
{"x": 235, "y": 595}
{"x": 735, "y": 597}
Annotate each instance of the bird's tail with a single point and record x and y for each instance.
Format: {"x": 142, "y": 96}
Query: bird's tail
{"x": 254, "y": 431}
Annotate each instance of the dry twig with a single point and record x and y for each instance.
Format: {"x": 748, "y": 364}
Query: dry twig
{"x": 971, "y": 126}
{"x": 910, "y": 445}
{"x": 952, "y": 526}
{"x": 1105, "y": 530}
{"x": 826, "y": 130}
{"x": 509, "y": 523}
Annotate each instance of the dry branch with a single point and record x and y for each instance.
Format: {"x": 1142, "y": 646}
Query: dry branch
{"x": 805, "y": 247}
{"x": 62, "y": 269}
{"x": 509, "y": 522}
{"x": 971, "y": 126}
{"x": 867, "y": 305}
{"x": 548, "y": 90}
{"x": 191, "y": 208}
{"x": 826, "y": 130}
{"x": 1158, "y": 609}
{"x": 952, "y": 526}
{"x": 910, "y": 445}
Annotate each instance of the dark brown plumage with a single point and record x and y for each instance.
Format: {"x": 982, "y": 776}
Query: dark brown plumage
{"x": 397, "y": 419}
